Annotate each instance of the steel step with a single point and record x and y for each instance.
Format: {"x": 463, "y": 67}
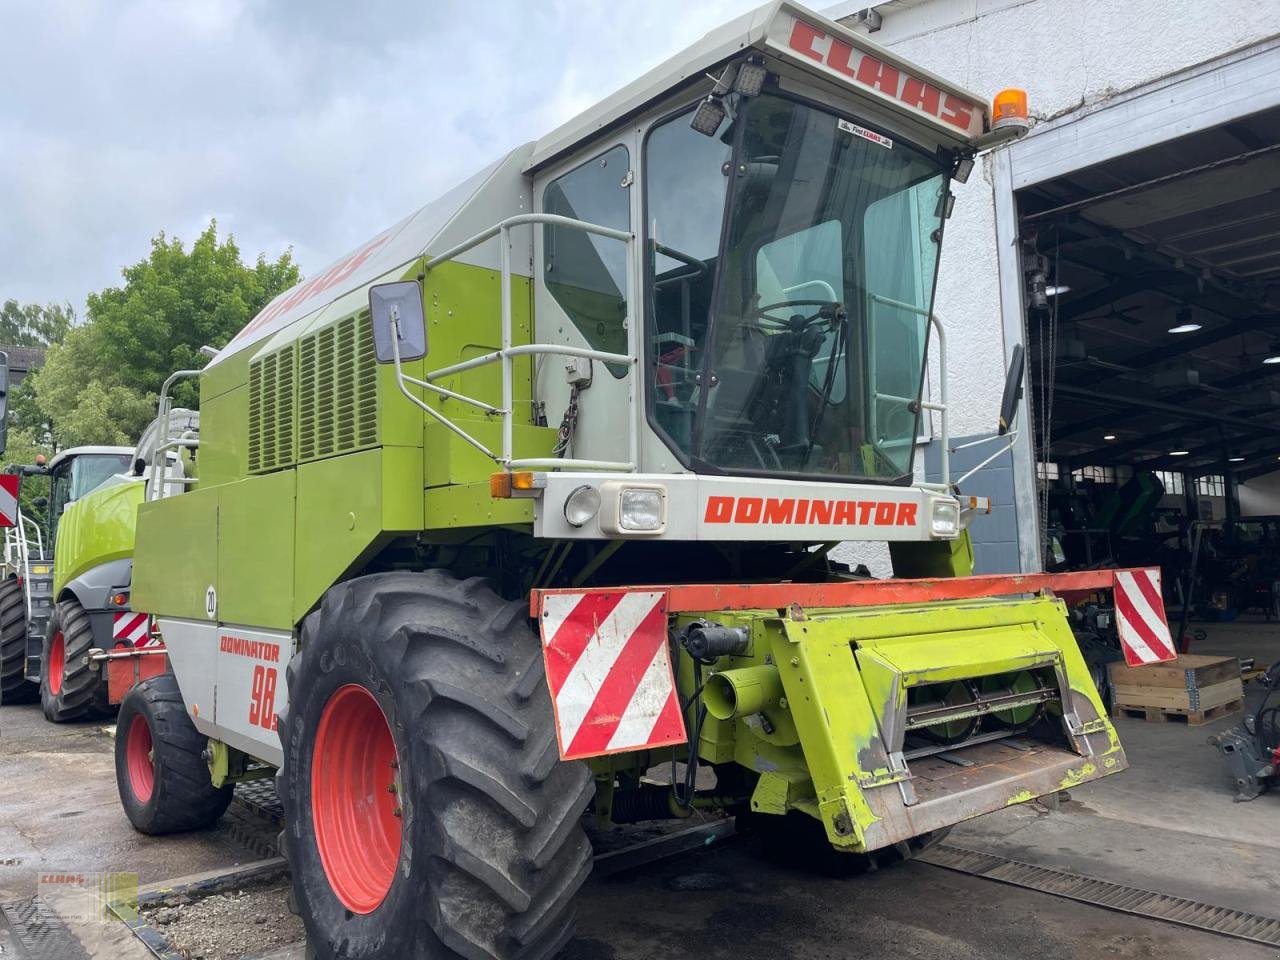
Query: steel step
{"x": 1104, "y": 893}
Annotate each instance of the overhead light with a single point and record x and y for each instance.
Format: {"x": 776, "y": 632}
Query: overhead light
{"x": 1184, "y": 322}
{"x": 1054, "y": 291}
{"x": 1178, "y": 453}
{"x": 1109, "y": 436}
{"x": 1274, "y": 358}
{"x": 1235, "y": 459}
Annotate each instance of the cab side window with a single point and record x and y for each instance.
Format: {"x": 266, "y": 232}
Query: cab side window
{"x": 587, "y": 274}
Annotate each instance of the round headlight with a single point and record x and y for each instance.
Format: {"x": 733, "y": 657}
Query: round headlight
{"x": 581, "y": 505}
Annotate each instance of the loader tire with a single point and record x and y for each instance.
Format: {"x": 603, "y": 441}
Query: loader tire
{"x": 69, "y": 688}
{"x": 14, "y": 687}
{"x": 161, "y": 772}
{"x": 427, "y": 811}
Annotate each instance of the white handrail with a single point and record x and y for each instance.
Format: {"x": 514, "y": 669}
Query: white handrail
{"x": 159, "y": 456}
{"x": 509, "y": 351}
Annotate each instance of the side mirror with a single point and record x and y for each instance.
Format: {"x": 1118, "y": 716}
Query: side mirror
{"x": 1012, "y": 390}
{"x": 395, "y": 310}
{"x": 4, "y": 399}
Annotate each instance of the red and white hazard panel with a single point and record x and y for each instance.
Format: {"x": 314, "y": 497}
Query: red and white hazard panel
{"x": 1140, "y": 621}
{"x": 132, "y": 627}
{"x": 9, "y": 499}
{"x": 609, "y": 670}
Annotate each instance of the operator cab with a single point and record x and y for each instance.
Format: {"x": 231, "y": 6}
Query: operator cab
{"x": 790, "y": 213}
{"x": 80, "y": 470}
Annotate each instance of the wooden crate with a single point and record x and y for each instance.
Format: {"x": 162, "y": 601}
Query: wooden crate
{"x": 1194, "y": 689}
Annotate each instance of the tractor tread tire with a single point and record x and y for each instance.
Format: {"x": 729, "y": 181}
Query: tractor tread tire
{"x": 14, "y": 687}
{"x": 493, "y": 850}
{"x": 183, "y": 798}
{"x": 83, "y": 691}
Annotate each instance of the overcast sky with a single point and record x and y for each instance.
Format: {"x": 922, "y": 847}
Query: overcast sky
{"x": 296, "y": 124}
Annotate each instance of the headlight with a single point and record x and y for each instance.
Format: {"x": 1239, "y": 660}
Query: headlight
{"x": 640, "y": 509}
{"x": 632, "y": 508}
{"x": 944, "y": 519}
{"x": 581, "y": 505}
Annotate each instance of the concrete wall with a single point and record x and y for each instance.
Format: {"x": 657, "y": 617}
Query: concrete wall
{"x": 1069, "y": 56}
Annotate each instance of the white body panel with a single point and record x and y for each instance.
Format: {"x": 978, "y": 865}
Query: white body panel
{"x": 232, "y": 680}
{"x": 738, "y": 508}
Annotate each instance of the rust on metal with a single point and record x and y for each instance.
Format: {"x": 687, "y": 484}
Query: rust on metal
{"x": 684, "y": 598}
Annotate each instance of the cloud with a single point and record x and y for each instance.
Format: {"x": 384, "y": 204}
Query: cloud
{"x": 309, "y": 124}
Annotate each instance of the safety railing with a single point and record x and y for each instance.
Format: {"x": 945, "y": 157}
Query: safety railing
{"x": 506, "y": 355}
{"x": 158, "y": 479}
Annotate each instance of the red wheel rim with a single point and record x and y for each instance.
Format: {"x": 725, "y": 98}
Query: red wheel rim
{"x": 138, "y": 761}
{"x": 352, "y": 770}
{"x": 57, "y": 663}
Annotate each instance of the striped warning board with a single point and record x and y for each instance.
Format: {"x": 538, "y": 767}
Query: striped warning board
{"x": 609, "y": 671}
{"x": 133, "y": 627}
{"x": 1140, "y": 621}
{"x": 9, "y": 499}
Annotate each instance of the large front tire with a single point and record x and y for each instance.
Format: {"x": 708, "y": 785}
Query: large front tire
{"x": 69, "y": 687}
{"x": 14, "y": 687}
{"x": 161, "y": 772}
{"x": 427, "y": 811}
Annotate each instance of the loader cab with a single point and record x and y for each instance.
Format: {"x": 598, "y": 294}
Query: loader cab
{"x": 79, "y": 470}
{"x": 788, "y": 239}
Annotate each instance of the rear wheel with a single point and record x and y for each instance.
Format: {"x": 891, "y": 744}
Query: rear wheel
{"x": 427, "y": 811}
{"x": 161, "y": 772}
{"x": 14, "y": 687}
{"x": 69, "y": 687}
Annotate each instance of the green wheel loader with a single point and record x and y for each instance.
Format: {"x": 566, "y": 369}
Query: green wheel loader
{"x": 529, "y": 498}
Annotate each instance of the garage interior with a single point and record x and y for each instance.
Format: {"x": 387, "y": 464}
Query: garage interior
{"x": 1152, "y": 285}
{"x": 1153, "y": 365}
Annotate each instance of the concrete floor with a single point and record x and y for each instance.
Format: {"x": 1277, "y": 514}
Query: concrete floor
{"x": 60, "y": 814}
{"x": 1167, "y": 824}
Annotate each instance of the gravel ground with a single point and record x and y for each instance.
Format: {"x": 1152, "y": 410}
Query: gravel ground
{"x": 228, "y": 926}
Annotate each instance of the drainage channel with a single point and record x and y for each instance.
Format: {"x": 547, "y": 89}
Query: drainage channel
{"x": 1112, "y": 896}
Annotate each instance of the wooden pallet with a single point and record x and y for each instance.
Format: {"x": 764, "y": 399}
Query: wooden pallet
{"x": 1192, "y": 718}
{"x": 1191, "y": 689}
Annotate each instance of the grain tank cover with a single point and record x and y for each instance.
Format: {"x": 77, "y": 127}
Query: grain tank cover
{"x": 434, "y": 226}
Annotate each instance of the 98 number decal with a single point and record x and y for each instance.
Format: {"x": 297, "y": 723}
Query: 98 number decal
{"x": 262, "y": 698}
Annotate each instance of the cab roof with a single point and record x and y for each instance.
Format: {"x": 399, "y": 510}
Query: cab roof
{"x": 87, "y": 451}
{"x": 803, "y": 38}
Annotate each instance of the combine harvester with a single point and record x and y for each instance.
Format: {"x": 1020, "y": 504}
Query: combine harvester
{"x": 532, "y": 494}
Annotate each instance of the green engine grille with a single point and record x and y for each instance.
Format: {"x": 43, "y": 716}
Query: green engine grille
{"x": 337, "y": 389}
{"x": 271, "y": 392}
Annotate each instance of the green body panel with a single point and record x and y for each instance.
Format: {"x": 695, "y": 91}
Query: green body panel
{"x": 344, "y": 505}
{"x": 825, "y": 748}
{"x": 255, "y": 538}
{"x": 224, "y": 422}
{"x": 271, "y": 541}
{"x": 176, "y": 557}
{"x": 97, "y": 528}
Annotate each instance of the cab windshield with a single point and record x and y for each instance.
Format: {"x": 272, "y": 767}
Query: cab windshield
{"x": 791, "y": 262}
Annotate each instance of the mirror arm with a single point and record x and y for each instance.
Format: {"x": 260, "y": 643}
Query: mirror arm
{"x": 1011, "y": 437}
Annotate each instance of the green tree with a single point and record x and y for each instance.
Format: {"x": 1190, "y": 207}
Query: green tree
{"x": 100, "y": 384}
{"x": 31, "y": 325}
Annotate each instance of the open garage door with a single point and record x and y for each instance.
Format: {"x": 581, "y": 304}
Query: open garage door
{"x": 1153, "y": 336}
